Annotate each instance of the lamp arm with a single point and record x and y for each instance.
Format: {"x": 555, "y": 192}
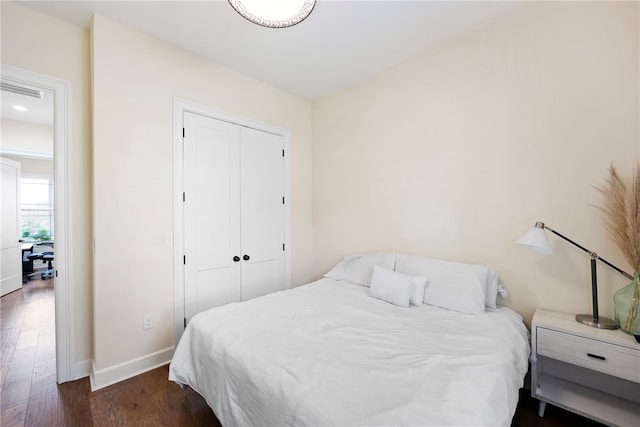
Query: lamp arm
{"x": 624, "y": 273}
{"x": 592, "y": 254}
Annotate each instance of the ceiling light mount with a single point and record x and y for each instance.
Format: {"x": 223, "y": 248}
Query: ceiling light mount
{"x": 274, "y": 13}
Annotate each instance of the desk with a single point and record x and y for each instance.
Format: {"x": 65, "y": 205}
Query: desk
{"x": 27, "y": 264}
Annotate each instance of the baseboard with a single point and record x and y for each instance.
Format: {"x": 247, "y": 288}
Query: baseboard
{"x": 114, "y": 374}
{"x": 81, "y": 369}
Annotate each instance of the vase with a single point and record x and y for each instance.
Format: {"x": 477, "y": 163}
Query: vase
{"x": 626, "y": 302}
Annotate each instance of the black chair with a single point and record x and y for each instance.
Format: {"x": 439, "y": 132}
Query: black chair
{"x": 47, "y": 256}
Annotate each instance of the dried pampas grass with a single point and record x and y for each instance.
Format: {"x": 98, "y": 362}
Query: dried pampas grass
{"x": 621, "y": 213}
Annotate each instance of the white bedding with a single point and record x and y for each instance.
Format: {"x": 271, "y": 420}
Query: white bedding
{"x": 328, "y": 354}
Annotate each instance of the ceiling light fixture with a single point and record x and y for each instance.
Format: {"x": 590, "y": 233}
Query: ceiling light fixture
{"x": 19, "y": 108}
{"x": 274, "y": 13}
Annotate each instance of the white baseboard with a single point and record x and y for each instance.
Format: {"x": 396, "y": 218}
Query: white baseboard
{"x": 81, "y": 369}
{"x": 108, "y": 376}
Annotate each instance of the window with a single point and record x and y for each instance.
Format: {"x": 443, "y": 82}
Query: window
{"x": 36, "y": 196}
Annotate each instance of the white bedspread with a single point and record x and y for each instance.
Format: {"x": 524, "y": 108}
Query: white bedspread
{"x": 328, "y": 354}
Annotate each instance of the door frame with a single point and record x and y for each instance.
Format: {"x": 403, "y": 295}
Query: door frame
{"x": 62, "y": 208}
{"x": 181, "y": 106}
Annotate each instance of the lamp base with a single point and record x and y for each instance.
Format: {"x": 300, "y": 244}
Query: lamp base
{"x": 601, "y": 323}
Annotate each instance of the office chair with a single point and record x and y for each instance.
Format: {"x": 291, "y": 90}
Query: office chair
{"x": 45, "y": 254}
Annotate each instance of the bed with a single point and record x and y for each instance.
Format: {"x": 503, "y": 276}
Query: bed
{"x": 330, "y": 354}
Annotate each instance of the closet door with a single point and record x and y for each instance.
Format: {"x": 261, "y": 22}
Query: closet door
{"x": 211, "y": 213}
{"x": 262, "y": 213}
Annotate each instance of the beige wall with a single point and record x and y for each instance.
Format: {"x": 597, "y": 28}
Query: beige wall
{"x": 38, "y": 43}
{"x": 26, "y": 138}
{"x": 456, "y": 153}
{"x": 135, "y": 78}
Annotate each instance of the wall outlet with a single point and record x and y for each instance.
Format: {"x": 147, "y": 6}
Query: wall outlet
{"x": 147, "y": 321}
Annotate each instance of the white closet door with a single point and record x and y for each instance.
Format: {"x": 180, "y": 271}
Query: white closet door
{"x": 262, "y": 213}
{"x": 211, "y": 213}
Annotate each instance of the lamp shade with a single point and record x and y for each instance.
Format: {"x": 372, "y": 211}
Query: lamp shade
{"x": 536, "y": 240}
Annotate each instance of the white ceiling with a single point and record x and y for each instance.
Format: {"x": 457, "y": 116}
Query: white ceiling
{"x": 38, "y": 110}
{"x": 341, "y": 43}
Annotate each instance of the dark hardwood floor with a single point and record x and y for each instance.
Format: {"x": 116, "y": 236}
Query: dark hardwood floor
{"x": 29, "y": 395}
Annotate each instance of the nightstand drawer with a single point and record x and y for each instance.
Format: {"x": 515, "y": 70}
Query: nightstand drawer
{"x": 622, "y": 362}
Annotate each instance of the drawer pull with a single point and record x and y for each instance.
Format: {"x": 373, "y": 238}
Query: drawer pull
{"x": 595, "y": 356}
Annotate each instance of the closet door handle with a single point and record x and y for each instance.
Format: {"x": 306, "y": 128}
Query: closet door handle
{"x": 595, "y": 356}
{"x": 246, "y": 258}
{"x": 236, "y": 258}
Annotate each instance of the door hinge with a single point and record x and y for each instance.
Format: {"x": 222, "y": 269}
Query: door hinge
{"x": 283, "y": 246}
{"x": 184, "y": 259}
{"x": 185, "y": 323}
{"x": 282, "y": 153}
{"x": 184, "y": 197}
{"x": 183, "y": 132}
{"x": 56, "y": 273}
{"x": 283, "y": 200}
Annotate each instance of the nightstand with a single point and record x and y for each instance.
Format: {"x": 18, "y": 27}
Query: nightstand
{"x": 589, "y": 371}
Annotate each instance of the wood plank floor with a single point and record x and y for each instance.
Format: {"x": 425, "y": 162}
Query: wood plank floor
{"x": 29, "y": 395}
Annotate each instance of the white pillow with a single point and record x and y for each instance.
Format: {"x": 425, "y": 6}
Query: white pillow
{"x": 452, "y": 285}
{"x": 418, "y": 285}
{"x": 464, "y": 293}
{"x": 358, "y": 269}
{"x": 391, "y": 287}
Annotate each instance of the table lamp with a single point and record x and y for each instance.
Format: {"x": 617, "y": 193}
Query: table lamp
{"x": 536, "y": 240}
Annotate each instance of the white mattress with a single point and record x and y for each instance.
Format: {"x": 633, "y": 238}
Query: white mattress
{"x": 328, "y": 354}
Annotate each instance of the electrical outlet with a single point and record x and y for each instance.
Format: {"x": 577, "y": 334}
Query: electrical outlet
{"x": 147, "y": 321}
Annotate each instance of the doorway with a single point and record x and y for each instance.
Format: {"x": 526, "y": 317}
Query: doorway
{"x": 28, "y": 169}
{"x": 42, "y": 104}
